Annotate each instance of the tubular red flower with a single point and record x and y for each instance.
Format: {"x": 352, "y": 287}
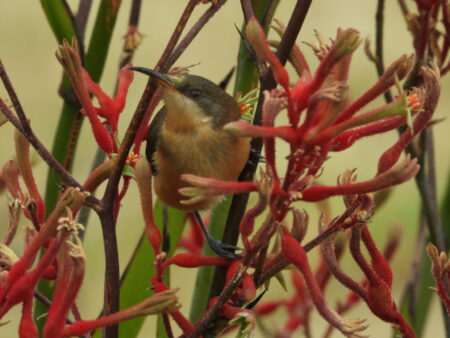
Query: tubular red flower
{"x": 248, "y": 288}
{"x": 144, "y": 182}
{"x": 10, "y": 175}
{"x": 390, "y": 110}
{"x": 69, "y": 58}
{"x": 232, "y": 270}
{"x": 24, "y": 166}
{"x": 379, "y": 297}
{"x": 296, "y": 255}
{"x": 439, "y": 269}
{"x": 159, "y": 303}
{"x": 27, "y": 327}
{"x": 203, "y": 188}
{"x": 99, "y": 175}
{"x": 257, "y": 38}
{"x": 431, "y": 91}
{"x": 265, "y": 187}
{"x": 21, "y": 289}
{"x": 347, "y": 41}
{"x": 399, "y": 68}
{"x": 268, "y": 307}
{"x": 73, "y": 198}
{"x": 110, "y": 108}
{"x": 243, "y": 128}
{"x": 70, "y": 276}
{"x": 194, "y": 240}
{"x": 183, "y": 323}
{"x": 296, "y": 56}
{"x": 190, "y": 260}
{"x": 396, "y": 175}
{"x": 346, "y": 139}
{"x": 379, "y": 263}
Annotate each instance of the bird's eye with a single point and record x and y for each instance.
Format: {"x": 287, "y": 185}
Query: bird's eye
{"x": 195, "y": 92}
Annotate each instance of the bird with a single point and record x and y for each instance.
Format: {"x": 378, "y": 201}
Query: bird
{"x": 187, "y": 137}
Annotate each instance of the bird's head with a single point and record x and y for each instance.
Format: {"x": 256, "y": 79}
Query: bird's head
{"x": 194, "y": 99}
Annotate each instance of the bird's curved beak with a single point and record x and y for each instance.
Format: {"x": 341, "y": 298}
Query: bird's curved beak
{"x": 161, "y": 78}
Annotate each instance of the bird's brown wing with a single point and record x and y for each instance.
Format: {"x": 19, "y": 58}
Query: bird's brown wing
{"x": 152, "y": 138}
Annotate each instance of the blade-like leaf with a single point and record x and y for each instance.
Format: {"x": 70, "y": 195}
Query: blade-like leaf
{"x": 135, "y": 283}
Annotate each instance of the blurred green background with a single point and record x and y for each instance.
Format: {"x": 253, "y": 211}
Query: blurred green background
{"x": 27, "y": 48}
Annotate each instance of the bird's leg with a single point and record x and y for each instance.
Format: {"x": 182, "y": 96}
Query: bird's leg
{"x": 255, "y": 157}
{"x": 222, "y": 249}
{"x": 165, "y": 229}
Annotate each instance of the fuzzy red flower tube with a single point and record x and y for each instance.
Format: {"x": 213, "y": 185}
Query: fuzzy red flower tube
{"x": 297, "y": 256}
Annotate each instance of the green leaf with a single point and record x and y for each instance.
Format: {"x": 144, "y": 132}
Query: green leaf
{"x": 135, "y": 282}
{"x": 205, "y": 274}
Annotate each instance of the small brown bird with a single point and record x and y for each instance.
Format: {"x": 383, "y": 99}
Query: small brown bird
{"x": 187, "y": 137}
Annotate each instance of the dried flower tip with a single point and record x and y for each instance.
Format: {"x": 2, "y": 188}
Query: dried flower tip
{"x": 301, "y": 184}
{"x": 295, "y": 196}
{"x": 300, "y": 221}
{"x": 278, "y": 27}
{"x": 399, "y": 68}
{"x": 333, "y": 92}
{"x": 347, "y": 42}
{"x": 68, "y": 224}
{"x": 75, "y": 197}
{"x": 15, "y": 206}
{"x": 7, "y": 257}
{"x": 265, "y": 182}
{"x": 321, "y": 48}
{"x": 133, "y": 39}
{"x": 15, "y": 210}
{"x": 76, "y": 251}
{"x": 161, "y": 257}
{"x": 439, "y": 268}
{"x": 349, "y": 177}
{"x": 68, "y": 56}
{"x": 273, "y": 104}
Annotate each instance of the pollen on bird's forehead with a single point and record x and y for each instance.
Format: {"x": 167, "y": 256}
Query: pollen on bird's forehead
{"x": 177, "y": 80}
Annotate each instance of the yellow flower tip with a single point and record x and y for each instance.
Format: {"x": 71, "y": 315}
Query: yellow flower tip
{"x": 132, "y": 158}
{"x": 245, "y": 108}
{"x": 413, "y": 101}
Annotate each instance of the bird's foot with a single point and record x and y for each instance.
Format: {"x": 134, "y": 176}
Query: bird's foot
{"x": 255, "y": 157}
{"x": 223, "y": 249}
